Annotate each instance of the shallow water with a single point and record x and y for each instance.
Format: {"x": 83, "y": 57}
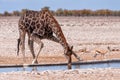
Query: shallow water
{"x": 107, "y": 64}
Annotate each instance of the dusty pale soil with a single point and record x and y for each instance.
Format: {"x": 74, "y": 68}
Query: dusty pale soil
{"x": 86, "y": 34}
{"x": 87, "y": 74}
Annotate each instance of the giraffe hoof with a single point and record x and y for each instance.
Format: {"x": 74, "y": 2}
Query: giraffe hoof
{"x": 79, "y": 59}
{"x": 34, "y": 62}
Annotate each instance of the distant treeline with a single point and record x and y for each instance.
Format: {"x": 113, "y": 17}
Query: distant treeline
{"x": 65, "y": 12}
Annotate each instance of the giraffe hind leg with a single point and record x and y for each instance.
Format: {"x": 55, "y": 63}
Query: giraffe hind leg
{"x": 21, "y": 43}
{"x": 18, "y": 46}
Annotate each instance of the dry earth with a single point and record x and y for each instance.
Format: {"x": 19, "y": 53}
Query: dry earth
{"x": 85, "y": 33}
{"x": 87, "y": 74}
{"x": 88, "y": 33}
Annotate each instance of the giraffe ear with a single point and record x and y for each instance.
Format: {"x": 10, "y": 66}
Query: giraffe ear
{"x": 71, "y": 47}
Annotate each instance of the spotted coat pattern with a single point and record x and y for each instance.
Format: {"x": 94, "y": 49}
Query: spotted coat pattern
{"x": 41, "y": 25}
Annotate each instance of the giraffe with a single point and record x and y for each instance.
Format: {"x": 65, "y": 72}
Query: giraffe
{"x": 40, "y": 25}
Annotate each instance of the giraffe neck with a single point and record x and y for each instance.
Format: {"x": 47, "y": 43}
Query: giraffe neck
{"x": 53, "y": 24}
{"x": 63, "y": 42}
{"x": 60, "y": 36}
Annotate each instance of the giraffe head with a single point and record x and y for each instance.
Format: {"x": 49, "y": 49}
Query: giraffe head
{"x": 69, "y": 50}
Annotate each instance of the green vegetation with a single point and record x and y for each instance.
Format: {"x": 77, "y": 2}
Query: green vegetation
{"x": 65, "y": 12}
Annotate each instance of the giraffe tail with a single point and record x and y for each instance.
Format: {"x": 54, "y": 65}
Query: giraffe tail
{"x": 18, "y": 46}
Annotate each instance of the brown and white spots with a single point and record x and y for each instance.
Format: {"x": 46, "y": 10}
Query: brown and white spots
{"x": 41, "y": 25}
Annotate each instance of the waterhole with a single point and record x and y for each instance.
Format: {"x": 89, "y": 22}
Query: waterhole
{"x": 62, "y": 66}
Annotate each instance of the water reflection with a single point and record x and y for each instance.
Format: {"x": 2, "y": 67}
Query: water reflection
{"x": 63, "y": 67}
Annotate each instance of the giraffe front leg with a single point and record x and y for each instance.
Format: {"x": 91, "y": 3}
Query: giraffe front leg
{"x": 41, "y": 46}
{"x": 31, "y": 46}
{"x": 40, "y": 43}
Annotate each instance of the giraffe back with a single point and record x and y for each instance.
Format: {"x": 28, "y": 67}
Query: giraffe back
{"x": 42, "y": 24}
{"x": 35, "y": 22}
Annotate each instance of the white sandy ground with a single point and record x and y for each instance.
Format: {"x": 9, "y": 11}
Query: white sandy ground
{"x": 81, "y": 32}
{"x": 82, "y": 74}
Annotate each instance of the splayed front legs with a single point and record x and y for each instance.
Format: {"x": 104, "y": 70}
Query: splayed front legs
{"x": 40, "y": 43}
{"x": 33, "y": 38}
